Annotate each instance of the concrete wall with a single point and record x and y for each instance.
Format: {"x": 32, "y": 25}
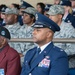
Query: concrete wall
{"x": 33, "y": 2}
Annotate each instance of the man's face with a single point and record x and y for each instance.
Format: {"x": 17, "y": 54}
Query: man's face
{"x": 9, "y": 18}
{"x": 55, "y": 18}
{"x": 41, "y": 35}
{"x": 56, "y": 1}
{"x": 27, "y": 19}
{"x": 73, "y": 4}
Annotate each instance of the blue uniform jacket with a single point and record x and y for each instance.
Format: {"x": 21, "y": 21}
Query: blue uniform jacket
{"x": 52, "y": 61}
{"x": 70, "y": 18}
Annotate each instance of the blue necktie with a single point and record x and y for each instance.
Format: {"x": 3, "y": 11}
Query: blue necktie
{"x": 36, "y": 54}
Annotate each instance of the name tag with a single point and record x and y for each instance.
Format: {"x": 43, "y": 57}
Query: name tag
{"x": 1, "y": 71}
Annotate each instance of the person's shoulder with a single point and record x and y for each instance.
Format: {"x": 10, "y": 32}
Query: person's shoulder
{"x": 23, "y": 28}
{"x": 58, "y": 52}
{"x": 70, "y": 16}
{"x": 13, "y": 52}
{"x": 31, "y": 50}
{"x": 67, "y": 25}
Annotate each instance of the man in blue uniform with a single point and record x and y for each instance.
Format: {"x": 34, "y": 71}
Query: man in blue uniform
{"x": 45, "y": 59}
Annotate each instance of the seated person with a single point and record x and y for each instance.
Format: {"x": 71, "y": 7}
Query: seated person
{"x": 9, "y": 58}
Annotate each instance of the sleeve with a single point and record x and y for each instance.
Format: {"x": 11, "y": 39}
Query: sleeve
{"x": 59, "y": 66}
{"x": 69, "y": 47}
{"x": 13, "y": 66}
{"x": 23, "y": 66}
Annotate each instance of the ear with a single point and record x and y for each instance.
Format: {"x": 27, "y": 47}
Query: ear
{"x": 15, "y": 16}
{"x": 33, "y": 18}
{"x": 50, "y": 34}
{"x": 60, "y": 16}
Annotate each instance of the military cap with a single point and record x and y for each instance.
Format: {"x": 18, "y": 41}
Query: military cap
{"x": 44, "y": 22}
{"x": 56, "y": 9}
{"x": 66, "y": 3}
{"x": 11, "y": 11}
{"x": 30, "y": 10}
{"x": 25, "y": 5}
{"x": 47, "y": 6}
{"x": 4, "y": 32}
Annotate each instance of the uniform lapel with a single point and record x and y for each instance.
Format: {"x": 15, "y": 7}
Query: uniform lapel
{"x": 29, "y": 58}
{"x": 41, "y": 56}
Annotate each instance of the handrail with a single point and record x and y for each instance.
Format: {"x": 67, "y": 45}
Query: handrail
{"x": 55, "y": 40}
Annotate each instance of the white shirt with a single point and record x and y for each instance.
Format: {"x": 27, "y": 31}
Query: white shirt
{"x": 44, "y": 46}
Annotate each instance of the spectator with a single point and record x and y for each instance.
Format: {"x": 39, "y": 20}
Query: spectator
{"x": 73, "y": 6}
{"x": 68, "y": 17}
{"x": 23, "y": 6}
{"x": 56, "y": 13}
{"x": 26, "y": 30}
{"x": 2, "y": 20}
{"x": 9, "y": 58}
{"x": 46, "y": 59}
{"x": 12, "y": 24}
{"x": 40, "y": 7}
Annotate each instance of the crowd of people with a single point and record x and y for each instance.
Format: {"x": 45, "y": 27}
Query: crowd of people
{"x": 42, "y": 23}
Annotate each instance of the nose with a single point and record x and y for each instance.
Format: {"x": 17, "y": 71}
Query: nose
{"x": 33, "y": 32}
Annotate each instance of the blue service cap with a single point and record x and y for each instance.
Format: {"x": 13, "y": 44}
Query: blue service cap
{"x": 25, "y": 5}
{"x": 44, "y": 22}
{"x": 4, "y": 32}
{"x": 65, "y": 3}
{"x": 47, "y": 6}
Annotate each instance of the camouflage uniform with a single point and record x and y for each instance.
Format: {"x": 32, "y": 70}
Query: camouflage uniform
{"x": 25, "y": 32}
{"x": 67, "y": 31}
{"x": 13, "y": 29}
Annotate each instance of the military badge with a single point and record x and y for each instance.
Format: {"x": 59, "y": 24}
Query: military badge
{"x": 36, "y": 16}
{"x": 44, "y": 63}
{"x": 3, "y": 32}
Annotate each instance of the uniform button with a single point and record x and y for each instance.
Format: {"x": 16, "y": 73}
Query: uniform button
{"x": 30, "y": 74}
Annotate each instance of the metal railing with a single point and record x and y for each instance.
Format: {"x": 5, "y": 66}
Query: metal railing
{"x": 55, "y": 40}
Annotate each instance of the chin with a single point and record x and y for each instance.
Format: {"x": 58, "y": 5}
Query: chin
{"x": 34, "y": 40}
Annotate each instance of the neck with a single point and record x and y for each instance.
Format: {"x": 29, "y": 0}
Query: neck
{"x": 29, "y": 24}
{"x": 43, "y": 43}
{"x": 59, "y": 23}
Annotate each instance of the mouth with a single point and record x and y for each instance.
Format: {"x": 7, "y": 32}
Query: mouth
{"x": 34, "y": 38}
